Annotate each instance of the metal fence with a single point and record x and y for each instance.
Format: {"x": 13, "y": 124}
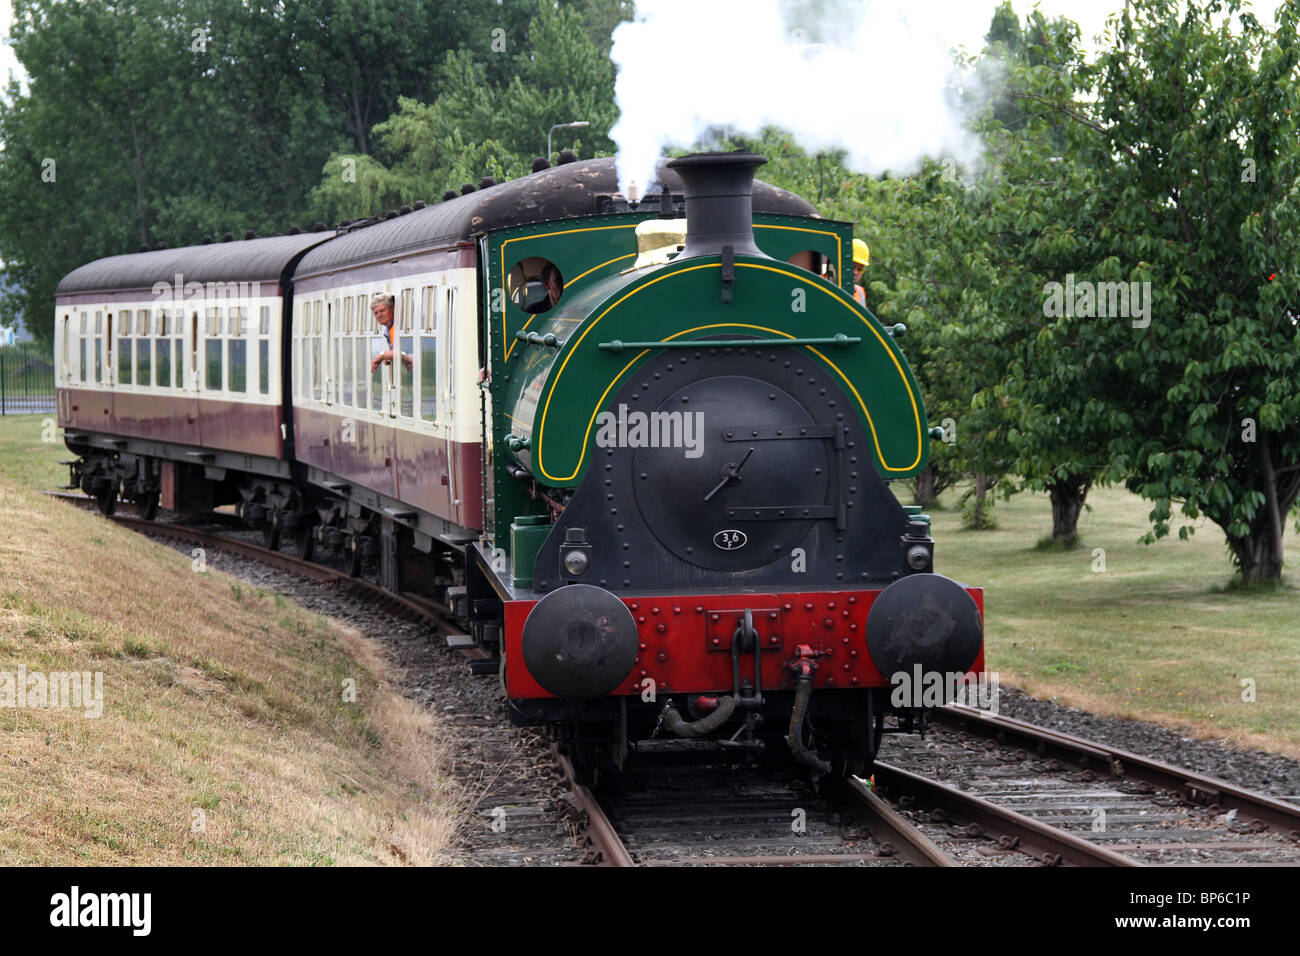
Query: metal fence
{"x": 26, "y": 379}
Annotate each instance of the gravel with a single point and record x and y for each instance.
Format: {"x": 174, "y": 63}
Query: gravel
{"x": 1253, "y": 769}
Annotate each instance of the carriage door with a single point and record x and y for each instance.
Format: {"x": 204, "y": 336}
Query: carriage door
{"x": 329, "y": 357}
{"x": 402, "y": 402}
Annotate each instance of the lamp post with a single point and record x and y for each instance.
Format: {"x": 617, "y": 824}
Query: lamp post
{"x": 575, "y": 125}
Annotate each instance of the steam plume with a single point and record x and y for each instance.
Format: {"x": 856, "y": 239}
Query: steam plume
{"x": 870, "y": 78}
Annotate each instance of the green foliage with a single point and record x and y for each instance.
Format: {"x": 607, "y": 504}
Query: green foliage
{"x": 489, "y": 118}
{"x": 160, "y": 135}
{"x": 1196, "y": 125}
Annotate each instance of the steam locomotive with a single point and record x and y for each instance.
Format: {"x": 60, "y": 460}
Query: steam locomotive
{"x": 639, "y": 448}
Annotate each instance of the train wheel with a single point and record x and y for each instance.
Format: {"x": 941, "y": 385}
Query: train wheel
{"x": 106, "y": 498}
{"x": 304, "y": 541}
{"x": 590, "y": 749}
{"x": 271, "y": 529}
{"x": 147, "y": 503}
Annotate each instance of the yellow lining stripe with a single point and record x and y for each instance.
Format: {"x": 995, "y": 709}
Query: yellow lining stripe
{"x": 510, "y": 343}
{"x": 837, "y": 295}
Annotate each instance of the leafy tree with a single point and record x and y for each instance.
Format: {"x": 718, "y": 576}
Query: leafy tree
{"x": 490, "y": 116}
{"x": 1194, "y": 123}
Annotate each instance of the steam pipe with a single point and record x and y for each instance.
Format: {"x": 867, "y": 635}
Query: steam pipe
{"x": 802, "y": 695}
{"x": 702, "y": 727}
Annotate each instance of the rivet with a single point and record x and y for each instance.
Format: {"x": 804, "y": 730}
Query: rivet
{"x": 845, "y": 666}
{"x": 808, "y": 606}
{"x": 661, "y": 628}
{"x": 716, "y": 641}
{"x": 677, "y": 609}
{"x": 699, "y": 609}
{"x": 641, "y": 619}
{"x": 830, "y": 605}
{"x": 852, "y": 680}
{"x": 662, "y": 656}
{"x": 771, "y": 615}
{"x": 713, "y": 617}
{"x": 641, "y": 647}
{"x": 654, "y": 610}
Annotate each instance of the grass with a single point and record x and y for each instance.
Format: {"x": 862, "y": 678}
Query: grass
{"x": 31, "y": 448}
{"x": 1163, "y": 633}
{"x": 224, "y": 736}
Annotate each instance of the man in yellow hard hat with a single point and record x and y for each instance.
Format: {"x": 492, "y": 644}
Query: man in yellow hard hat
{"x": 861, "y": 259}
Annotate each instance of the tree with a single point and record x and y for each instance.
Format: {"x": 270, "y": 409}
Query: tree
{"x": 1195, "y": 122}
{"x": 490, "y": 117}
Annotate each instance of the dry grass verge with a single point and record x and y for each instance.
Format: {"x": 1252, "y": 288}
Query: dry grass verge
{"x": 225, "y": 737}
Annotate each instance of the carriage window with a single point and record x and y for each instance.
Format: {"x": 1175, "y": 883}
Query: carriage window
{"x": 363, "y": 383}
{"x": 264, "y": 366}
{"x": 406, "y": 347}
{"x": 377, "y": 387}
{"x": 163, "y": 359}
{"x": 143, "y": 370}
{"x": 345, "y": 367}
{"x": 264, "y": 321}
{"x": 212, "y": 370}
{"x": 315, "y": 370}
{"x": 237, "y": 363}
{"x": 406, "y": 322}
{"x": 124, "y": 349}
{"x": 178, "y": 356}
{"x": 142, "y": 322}
{"x": 428, "y": 378}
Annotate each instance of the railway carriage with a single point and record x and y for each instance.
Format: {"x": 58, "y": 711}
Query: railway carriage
{"x": 169, "y": 371}
{"x": 640, "y": 449}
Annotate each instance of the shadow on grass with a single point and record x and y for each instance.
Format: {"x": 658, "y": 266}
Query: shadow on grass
{"x": 1050, "y": 545}
{"x": 1236, "y": 585}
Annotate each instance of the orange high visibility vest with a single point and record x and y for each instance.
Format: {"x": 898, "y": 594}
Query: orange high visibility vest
{"x": 859, "y": 295}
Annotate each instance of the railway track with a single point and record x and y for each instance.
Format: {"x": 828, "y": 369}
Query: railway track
{"x": 683, "y": 812}
{"x": 978, "y": 788}
{"x": 1068, "y": 801}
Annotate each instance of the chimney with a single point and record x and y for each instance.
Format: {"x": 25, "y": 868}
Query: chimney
{"x": 719, "y": 191}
